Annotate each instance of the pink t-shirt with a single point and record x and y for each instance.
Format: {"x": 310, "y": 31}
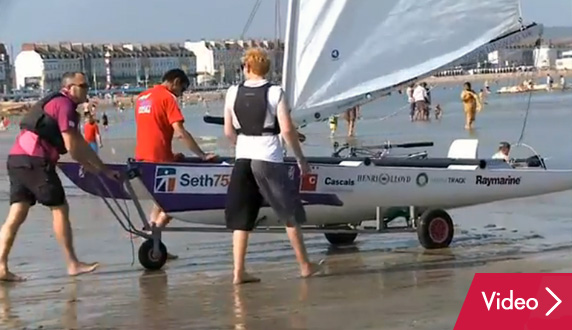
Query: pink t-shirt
{"x": 63, "y": 109}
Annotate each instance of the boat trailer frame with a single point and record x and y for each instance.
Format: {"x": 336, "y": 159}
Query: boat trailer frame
{"x": 153, "y": 252}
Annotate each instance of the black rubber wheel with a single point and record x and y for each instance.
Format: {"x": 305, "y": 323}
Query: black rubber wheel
{"x": 338, "y": 239}
{"x": 435, "y": 229}
{"x": 150, "y": 260}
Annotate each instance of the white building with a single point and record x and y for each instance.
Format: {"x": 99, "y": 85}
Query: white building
{"x": 564, "y": 62}
{"x": 107, "y": 65}
{"x": 220, "y": 61}
{"x": 545, "y": 57}
{"x": 509, "y": 57}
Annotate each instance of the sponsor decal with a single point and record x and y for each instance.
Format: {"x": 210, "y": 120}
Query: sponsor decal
{"x": 423, "y": 179}
{"x": 191, "y": 180}
{"x": 335, "y": 54}
{"x": 309, "y": 182}
{"x": 497, "y": 181}
{"x": 517, "y": 301}
{"x": 456, "y": 180}
{"x": 165, "y": 179}
{"x": 204, "y": 180}
{"x": 338, "y": 182}
{"x": 383, "y": 178}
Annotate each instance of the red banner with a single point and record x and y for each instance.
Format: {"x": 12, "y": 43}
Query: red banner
{"x": 518, "y": 301}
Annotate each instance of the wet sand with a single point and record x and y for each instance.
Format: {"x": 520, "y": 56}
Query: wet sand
{"x": 405, "y": 288}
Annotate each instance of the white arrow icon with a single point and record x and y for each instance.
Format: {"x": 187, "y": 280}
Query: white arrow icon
{"x": 558, "y": 301}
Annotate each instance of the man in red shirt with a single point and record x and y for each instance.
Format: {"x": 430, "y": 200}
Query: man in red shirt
{"x": 91, "y": 133}
{"x": 158, "y": 119}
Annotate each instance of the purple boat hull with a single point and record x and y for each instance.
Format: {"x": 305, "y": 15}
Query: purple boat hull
{"x": 172, "y": 203}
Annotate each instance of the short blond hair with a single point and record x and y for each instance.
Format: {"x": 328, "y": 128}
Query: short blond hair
{"x": 257, "y": 61}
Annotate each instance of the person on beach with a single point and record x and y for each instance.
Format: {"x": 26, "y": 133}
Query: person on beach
{"x": 158, "y": 119}
{"x": 256, "y": 115}
{"x": 91, "y": 133}
{"x": 32, "y": 172}
{"x": 471, "y": 105}
{"x": 104, "y": 121}
{"x": 549, "y": 82}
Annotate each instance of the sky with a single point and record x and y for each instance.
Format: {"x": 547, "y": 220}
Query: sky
{"x": 174, "y": 20}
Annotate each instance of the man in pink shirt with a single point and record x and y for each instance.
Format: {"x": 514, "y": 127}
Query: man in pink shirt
{"x": 32, "y": 169}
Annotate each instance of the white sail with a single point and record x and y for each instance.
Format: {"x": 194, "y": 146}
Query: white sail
{"x": 337, "y": 50}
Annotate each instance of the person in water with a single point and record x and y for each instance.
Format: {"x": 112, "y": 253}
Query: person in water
{"x": 351, "y": 116}
{"x": 411, "y": 101}
{"x": 256, "y": 116}
{"x": 471, "y": 105}
{"x": 333, "y": 124}
{"x": 483, "y": 96}
{"x": 158, "y": 119}
{"x": 503, "y": 152}
{"x": 31, "y": 168}
{"x": 438, "y": 112}
{"x": 420, "y": 99}
{"x": 91, "y": 133}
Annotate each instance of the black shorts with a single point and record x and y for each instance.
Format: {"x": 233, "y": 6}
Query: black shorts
{"x": 34, "y": 179}
{"x": 255, "y": 182}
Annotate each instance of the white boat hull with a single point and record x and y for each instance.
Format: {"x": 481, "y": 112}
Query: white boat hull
{"x": 362, "y": 189}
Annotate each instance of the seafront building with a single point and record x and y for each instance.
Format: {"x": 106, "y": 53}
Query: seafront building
{"x": 218, "y": 61}
{"x": 40, "y": 66}
{"x": 5, "y": 70}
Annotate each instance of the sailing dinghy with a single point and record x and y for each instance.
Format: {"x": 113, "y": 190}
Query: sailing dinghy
{"x": 341, "y": 53}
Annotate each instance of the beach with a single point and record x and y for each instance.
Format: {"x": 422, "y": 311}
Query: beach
{"x": 381, "y": 282}
{"x": 190, "y": 98}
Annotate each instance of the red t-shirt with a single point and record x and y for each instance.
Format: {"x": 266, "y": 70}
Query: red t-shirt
{"x": 90, "y": 131}
{"x": 156, "y": 110}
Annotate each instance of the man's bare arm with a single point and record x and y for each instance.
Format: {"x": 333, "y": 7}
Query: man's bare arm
{"x": 288, "y": 130}
{"x": 229, "y": 130}
{"x": 183, "y": 134}
{"x": 80, "y": 150}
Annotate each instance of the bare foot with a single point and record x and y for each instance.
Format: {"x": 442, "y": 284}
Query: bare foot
{"x": 311, "y": 269}
{"x": 245, "y": 278}
{"x": 8, "y": 276}
{"x": 82, "y": 268}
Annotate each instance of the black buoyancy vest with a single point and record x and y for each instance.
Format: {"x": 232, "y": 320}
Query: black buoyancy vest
{"x": 44, "y": 125}
{"x": 251, "y": 111}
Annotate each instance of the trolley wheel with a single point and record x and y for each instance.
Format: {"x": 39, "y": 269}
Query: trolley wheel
{"x": 435, "y": 229}
{"x": 337, "y": 239}
{"x": 149, "y": 259}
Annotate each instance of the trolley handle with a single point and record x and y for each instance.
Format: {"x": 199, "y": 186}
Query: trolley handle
{"x": 402, "y": 145}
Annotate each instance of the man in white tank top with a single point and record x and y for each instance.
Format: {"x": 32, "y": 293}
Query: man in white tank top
{"x": 255, "y": 117}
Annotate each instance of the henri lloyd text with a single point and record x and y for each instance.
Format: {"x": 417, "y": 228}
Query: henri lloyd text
{"x": 500, "y": 181}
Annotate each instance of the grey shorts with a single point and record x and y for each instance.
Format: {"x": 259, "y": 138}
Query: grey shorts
{"x": 256, "y": 183}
